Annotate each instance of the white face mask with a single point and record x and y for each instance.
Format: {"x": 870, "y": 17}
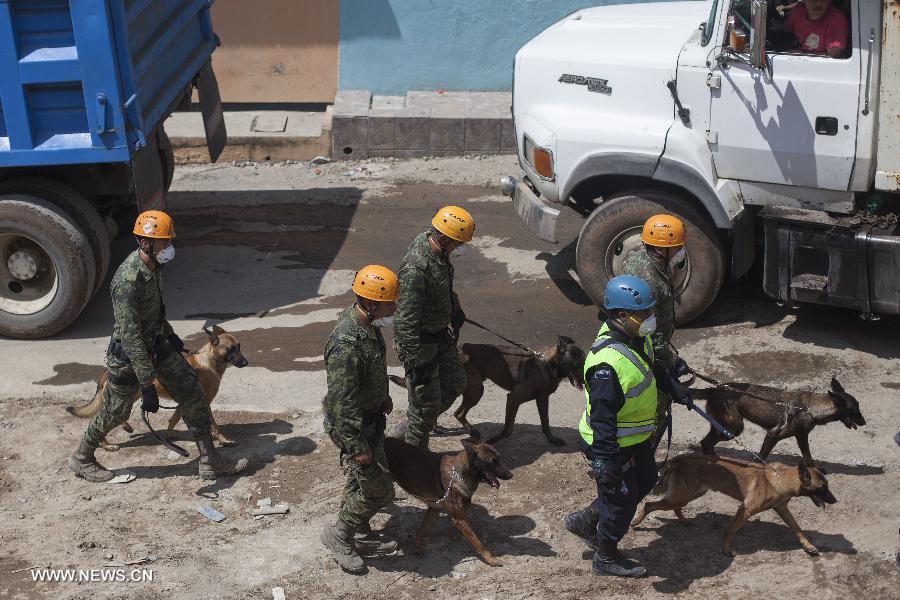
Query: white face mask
{"x": 459, "y": 251}
{"x": 647, "y": 327}
{"x": 384, "y": 322}
{"x": 679, "y": 257}
{"x": 165, "y": 255}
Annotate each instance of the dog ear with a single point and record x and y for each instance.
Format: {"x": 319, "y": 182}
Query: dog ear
{"x": 805, "y": 477}
{"x": 218, "y": 330}
{"x": 836, "y": 385}
{"x": 838, "y": 398}
{"x": 469, "y": 445}
{"x": 566, "y": 341}
{"x": 213, "y": 337}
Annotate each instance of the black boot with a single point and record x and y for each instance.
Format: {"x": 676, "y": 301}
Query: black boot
{"x": 609, "y": 561}
{"x": 583, "y": 523}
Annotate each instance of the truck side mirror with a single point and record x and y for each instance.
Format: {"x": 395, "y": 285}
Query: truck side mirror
{"x": 758, "y": 14}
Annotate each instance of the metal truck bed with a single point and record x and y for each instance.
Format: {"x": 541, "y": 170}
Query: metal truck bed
{"x": 86, "y": 81}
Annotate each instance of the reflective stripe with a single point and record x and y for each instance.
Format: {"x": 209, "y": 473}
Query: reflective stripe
{"x": 600, "y": 344}
{"x": 626, "y": 431}
{"x": 639, "y": 388}
{"x": 631, "y": 356}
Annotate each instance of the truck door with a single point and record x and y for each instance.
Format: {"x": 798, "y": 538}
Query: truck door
{"x": 797, "y": 128}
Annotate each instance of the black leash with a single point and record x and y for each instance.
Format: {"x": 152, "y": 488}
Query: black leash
{"x": 506, "y": 339}
{"x": 166, "y": 443}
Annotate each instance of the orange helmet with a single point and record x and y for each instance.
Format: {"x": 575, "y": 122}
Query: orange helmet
{"x": 154, "y": 224}
{"x": 378, "y": 283}
{"x": 454, "y": 222}
{"x": 663, "y": 231}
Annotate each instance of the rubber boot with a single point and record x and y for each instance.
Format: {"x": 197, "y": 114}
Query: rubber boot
{"x": 609, "y": 561}
{"x": 213, "y": 464}
{"x": 85, "y": 465}
{"x": 583, "y": 523}
{"x": 339, "y": 539}
{"x": 369, "y": 542}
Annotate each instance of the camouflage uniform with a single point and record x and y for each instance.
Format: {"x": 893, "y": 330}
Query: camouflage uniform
{"x": 354, "y": 416}
{"x": 641, "y": 264}
{"x": 142, "y": 330}
{"x": 424, "y": 310}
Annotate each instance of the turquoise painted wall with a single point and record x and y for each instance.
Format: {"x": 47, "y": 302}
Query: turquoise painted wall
{"x": 393, "y": 46}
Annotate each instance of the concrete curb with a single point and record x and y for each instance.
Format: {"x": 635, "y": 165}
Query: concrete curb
{"x": 421, "y": 124}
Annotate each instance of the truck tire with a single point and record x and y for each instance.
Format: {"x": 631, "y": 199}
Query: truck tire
{"x": 77, "y": 208}
{"x": 166, "y": 157}
{"x": 613, "y": 231}
{"x": 47, "y": 269}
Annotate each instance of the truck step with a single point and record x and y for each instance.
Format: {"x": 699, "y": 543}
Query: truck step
{"x": 810, "y": 281}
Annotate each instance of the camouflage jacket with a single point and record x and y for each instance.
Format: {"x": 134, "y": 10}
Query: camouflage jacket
{"x": 356, "y": 370}
{"x": 640, "y": 264}
{"x": 426, "y": 302}
{"x": 139, "y": 312}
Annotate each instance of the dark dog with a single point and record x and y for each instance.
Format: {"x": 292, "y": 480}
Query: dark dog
{"x": 781, "y": 413}
{"x": 446, "y": 481}
{"x": 757, "y": 487}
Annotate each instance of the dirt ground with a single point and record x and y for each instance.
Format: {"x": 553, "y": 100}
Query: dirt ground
{"x": 290, "y": 236}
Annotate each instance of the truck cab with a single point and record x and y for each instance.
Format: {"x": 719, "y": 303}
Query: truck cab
{"x": 715, "y": 112}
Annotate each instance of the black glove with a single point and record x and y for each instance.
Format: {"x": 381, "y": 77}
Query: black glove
{"x": 420, "y": 375}
{"x": 681, "y": 394}
{"x": 176, "y": 343}
{"x": 606, "y": 470}
{"x": 680, "y": 368}
{"x": 149, "y": 398}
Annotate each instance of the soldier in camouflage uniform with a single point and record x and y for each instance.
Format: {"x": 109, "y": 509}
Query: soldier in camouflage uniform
{"x": 354, "y": 411}
{"x": 663, "y": 247}
{"x": 428, "y": 321}
{"x": 144, "y": 347}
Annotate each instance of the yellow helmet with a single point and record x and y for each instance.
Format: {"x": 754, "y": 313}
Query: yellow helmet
{"x": 378, "y": 283}
{"x": 454, "y": 222}
{"x": 663, "y": 231}
{"x": 154, "y": 224}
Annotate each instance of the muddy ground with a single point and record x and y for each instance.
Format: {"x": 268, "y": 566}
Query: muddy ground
{"x": 268, "y": 252}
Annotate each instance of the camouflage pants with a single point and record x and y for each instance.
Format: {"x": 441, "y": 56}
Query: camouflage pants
{"x": 369, "y": 488}
{"x": 122, "y": 389}
{"x": 427, "y": 402}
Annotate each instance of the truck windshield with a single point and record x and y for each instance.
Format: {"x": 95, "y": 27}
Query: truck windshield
{"x": 708, "y": 26}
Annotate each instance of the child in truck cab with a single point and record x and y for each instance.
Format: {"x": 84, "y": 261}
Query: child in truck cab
{"x": 818, "y": 27}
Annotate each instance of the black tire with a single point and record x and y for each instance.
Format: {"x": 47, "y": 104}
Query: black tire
{"x": 69, "y": 253}
{"x": 166, "y": 157}
{"x": 600, "y": 248}
{"x": 77, "y": 208}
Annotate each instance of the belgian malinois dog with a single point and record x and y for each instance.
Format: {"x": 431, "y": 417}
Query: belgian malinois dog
{"x": 446, "y": 482}
{"x": 781, "y": 413}
{"x": 756, "y": 486}
{"x": 209, "y": 362}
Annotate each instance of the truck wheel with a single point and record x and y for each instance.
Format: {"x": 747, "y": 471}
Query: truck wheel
{"x": 166, "y": 157}
{"x": 77, "y": 208}
{"x": 47, "y": 269}
{"x": 613, "y": 231}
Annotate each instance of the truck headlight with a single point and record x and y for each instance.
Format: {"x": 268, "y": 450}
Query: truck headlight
{"x": 541, "y": 159}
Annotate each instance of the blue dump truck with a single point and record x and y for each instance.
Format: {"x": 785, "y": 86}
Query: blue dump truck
{"x": 85, "y": 86}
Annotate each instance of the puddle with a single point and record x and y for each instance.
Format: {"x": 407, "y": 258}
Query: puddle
{"x": 782, "y": 365}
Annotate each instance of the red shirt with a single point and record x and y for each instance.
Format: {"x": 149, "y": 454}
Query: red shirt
{"x": 818, "y": 36}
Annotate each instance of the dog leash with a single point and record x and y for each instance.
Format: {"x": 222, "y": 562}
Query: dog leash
{"x": 532, "y": 351}
{"x": 170, "y": 445}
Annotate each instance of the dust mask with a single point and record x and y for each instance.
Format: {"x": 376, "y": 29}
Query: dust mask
{"x": 678, "y": 258}
{"x": 459, "y": 251}
{"x": 165, "y": 255}
{"x": 648, "y": 326}
{"x": 384, "y": 322}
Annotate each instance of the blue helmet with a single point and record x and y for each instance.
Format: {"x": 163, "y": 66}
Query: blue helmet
{"x": 627, "y": 292}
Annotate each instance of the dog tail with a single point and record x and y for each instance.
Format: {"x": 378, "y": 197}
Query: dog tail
{"x": 398, "y": 380}
{"x": 91, "y": 408}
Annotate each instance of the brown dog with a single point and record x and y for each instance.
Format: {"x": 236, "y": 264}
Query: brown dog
{"x": 209, "y": 362}
{"x": 446, "y": 481}
{"x": 758, "y": 487}
{"x": 781, "y": 413}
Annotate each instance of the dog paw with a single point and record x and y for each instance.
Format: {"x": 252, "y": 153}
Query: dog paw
{"x": 493, "y": 562}
{"x": 811, "y": 550}
{"x": 729, "y": 552}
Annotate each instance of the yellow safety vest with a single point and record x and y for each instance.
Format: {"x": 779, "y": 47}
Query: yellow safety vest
{"x": 636, "y": 420}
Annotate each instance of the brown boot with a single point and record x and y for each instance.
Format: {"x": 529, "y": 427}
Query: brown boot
{"x": 339, "y": 539}
{"x": 213, "y": 464}
{"x": 369, "y": 542}
{"x": 85, "y": 465}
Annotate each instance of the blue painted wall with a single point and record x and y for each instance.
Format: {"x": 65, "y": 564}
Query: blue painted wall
{"x": 393, "y": 46}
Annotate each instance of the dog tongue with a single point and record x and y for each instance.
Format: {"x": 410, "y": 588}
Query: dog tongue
{"x": 492, "y": 480}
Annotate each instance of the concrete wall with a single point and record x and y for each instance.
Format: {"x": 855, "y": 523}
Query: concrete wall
{"x": 393, "y": 46}
{"x": 276, "y": 50}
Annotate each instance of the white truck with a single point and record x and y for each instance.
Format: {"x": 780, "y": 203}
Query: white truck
{"x": 700, "y": 109}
